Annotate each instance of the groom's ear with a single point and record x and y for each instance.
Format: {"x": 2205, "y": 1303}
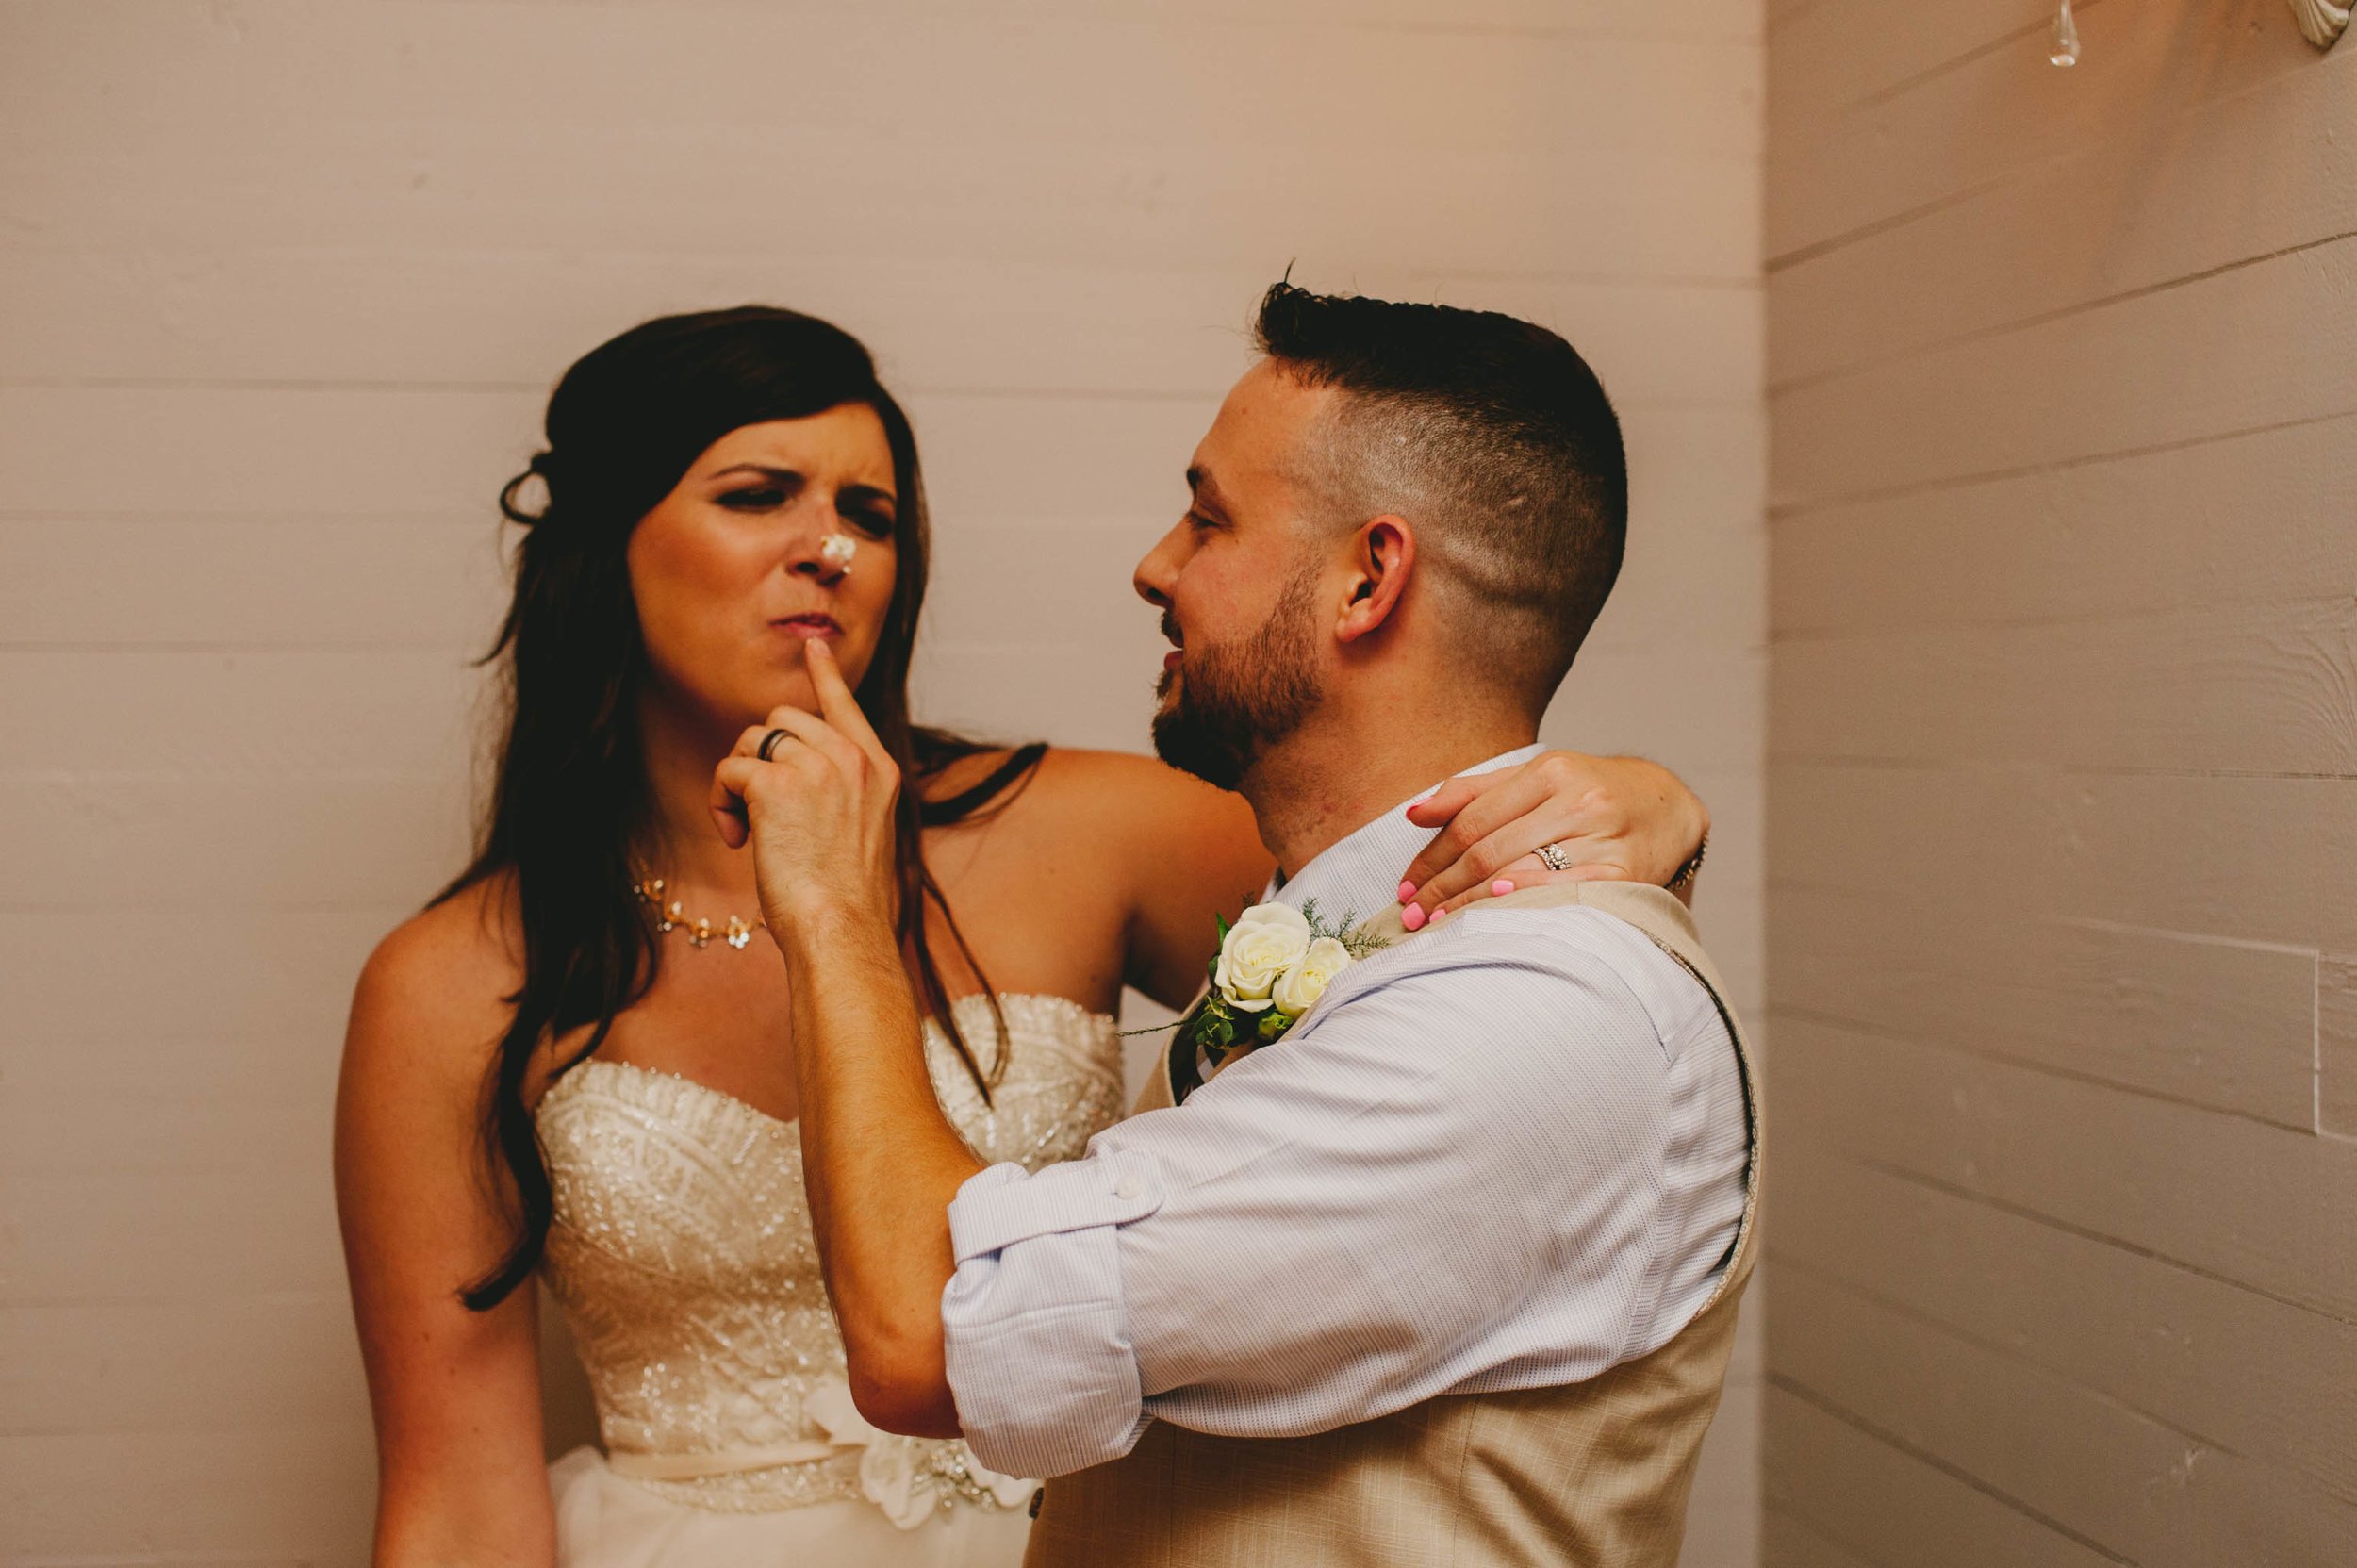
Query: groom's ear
{"x": 1385, "y": 549}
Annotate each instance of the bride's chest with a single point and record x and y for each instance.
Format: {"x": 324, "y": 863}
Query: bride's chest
{"x": 662, "y": 1184}
{"x": 671, "y": 1184}
{"x": 717, "y": 1017}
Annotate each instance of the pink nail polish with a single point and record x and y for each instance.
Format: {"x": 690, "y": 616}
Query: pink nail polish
{"x": 1407, "y": 891}
{"x": 1502, "y": 886}
{"x": 1412, "y": 916}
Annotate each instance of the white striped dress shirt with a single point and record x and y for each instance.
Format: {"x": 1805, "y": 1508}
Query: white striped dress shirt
{"x": 1507, "y": 1153}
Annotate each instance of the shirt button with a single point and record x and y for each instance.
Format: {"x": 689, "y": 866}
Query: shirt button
{"x": 1126, "y": 1188}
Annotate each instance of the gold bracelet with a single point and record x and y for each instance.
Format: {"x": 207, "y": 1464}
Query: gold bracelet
{"x": 1686, "y": 873}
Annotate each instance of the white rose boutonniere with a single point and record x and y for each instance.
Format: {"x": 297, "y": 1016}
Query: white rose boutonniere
{"x": 1256, "y": 952}
{"x": 1299, "y": 988}
{"x": 1273, "y": 965}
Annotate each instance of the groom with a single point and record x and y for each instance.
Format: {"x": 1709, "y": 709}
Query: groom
{"x": 1448, "y": 1272}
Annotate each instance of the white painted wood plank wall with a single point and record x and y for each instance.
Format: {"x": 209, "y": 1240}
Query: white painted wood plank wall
{"x": 2062, "y": 402}
{"x": 282, "y": 288}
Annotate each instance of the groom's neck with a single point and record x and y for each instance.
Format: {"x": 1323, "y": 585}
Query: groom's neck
{"x": 1325, "y": 782}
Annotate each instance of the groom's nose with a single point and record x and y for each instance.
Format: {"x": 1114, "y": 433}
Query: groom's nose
{"x": 1159, "y": 571}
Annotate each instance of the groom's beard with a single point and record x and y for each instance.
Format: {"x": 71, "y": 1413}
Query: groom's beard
{"x": 1238, "y": 699}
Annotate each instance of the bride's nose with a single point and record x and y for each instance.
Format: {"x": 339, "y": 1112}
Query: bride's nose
{"x": 824, "y": 548}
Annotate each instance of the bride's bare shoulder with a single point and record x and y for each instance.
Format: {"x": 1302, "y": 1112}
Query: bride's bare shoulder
{"x": 1126, "y": 797}
{"x": 434, "y": 992}
{"x": 424, "y": 1203}
{"x": 1075, "y": 773}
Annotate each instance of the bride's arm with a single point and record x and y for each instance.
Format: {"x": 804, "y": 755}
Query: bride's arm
{"x": 1613, "y": 819}
{"x": 455, "y": 1394}
{"x": 1194, "y": 849}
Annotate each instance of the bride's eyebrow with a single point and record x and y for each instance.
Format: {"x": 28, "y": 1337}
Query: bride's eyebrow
{"x": 761, "y": 470}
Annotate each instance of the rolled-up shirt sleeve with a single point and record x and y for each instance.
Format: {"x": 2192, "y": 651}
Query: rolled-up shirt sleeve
{"x": 1446, "y": 1179}
{"x": 1033, "y": 1322}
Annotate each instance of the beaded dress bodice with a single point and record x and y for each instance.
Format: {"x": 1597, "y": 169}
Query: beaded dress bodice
{"x": 683, "y": 1255}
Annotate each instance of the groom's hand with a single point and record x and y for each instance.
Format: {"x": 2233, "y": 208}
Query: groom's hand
{"x": 1614, "y": 819}
{"x": 819, "y": 813}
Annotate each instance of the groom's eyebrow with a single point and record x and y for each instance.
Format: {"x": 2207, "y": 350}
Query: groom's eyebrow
{"x": 1206, "y": 490}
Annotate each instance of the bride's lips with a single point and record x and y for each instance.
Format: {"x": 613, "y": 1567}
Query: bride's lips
{"x": 808, "y": 626}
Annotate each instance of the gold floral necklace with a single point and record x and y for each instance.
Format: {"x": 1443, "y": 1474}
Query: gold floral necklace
{"x": 670, "y": 914}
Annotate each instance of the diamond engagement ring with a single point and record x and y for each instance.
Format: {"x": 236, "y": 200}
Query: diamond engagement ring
{"x": 1553, "y": 857}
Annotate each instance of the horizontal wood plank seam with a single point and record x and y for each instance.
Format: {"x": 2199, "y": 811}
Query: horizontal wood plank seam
{"x": 1885, "y": 763}
{"x": 1924, "y": 350}
{"x": 1901, "y": 219}
{"x": 1824, "y": 636}
{"x": 539, "y": 388}
{"x": 906, "y": 390}
{"x": 2169, "y": 933}
{"x": 1342, "y": 23}
{"x": 1818, "y": 1527}
{"x": 1776, "y": 24}
{"x": 2058, "y": 465}
{"x": 339, "y": 1299}
{"x": 200, "y": 518}
{"x": 1898, "y": 89}
{"x": 1955, "y": 1332}
{"x": 1425, "y": 276}
{"x": 467, "y": 651}
{"x": 1882, "y": 1031}
{"x": 1807, "y": 1395}
{"x": 1899, "y": 1172}
{"x": 2147, "y": 133}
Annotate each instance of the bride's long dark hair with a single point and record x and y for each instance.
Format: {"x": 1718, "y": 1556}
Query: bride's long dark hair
{"x": 572, "y": 798}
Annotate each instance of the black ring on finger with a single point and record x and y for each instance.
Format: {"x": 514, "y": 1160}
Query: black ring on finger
{"x": 770, "y": 742}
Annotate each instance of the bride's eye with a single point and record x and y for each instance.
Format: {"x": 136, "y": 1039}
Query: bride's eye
{"x": 760, "y": 500}
{"x": 874, "y": 523}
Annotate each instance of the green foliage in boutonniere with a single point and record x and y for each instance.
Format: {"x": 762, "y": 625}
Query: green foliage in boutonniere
{"x": 1274, "y": 964}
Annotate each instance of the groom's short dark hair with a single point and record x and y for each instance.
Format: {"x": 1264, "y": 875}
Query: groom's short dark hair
{"x": 1490, "y": 433}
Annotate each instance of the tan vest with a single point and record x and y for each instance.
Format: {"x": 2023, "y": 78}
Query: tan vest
{"x": 1594, "y": 1473}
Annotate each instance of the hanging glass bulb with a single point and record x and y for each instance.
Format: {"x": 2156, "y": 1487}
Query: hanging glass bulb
{"x": 2066, "y": 51}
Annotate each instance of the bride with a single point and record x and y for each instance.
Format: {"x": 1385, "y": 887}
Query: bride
{"x": 575, "y": 1062}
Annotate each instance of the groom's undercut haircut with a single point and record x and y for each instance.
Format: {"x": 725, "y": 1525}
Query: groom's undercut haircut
{"x": 1494, "y": 438}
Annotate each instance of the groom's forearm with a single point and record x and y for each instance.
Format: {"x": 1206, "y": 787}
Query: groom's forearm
{"x": 880, "y": 1161}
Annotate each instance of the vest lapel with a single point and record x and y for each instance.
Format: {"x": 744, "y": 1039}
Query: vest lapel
{"x": 1164, "y": 1086}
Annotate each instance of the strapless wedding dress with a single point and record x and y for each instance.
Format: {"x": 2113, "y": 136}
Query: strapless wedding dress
{"x": 681, "y": 1254}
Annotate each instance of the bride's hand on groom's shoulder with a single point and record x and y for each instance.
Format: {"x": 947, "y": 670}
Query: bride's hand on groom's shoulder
{"x": 814, "y": 794}
{"x": 1609, "y": 818}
